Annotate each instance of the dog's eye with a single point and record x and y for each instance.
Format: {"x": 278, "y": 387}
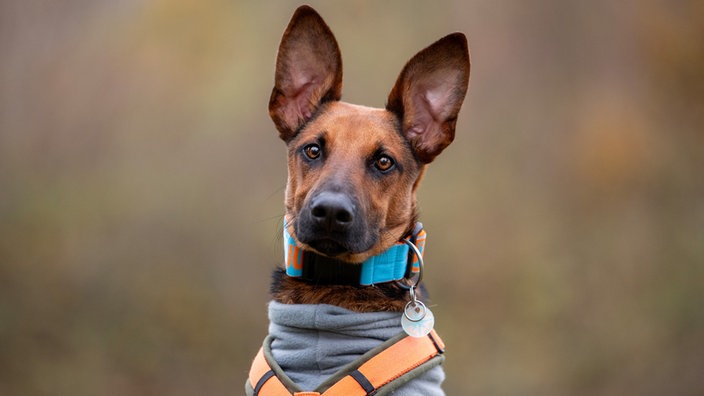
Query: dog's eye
{"x": 384, "y": 163}
{"x": 312, "y": 151}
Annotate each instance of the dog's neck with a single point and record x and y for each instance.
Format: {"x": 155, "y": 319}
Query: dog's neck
{"x": 394, "y": 264}
{"x": 379, "y": 297}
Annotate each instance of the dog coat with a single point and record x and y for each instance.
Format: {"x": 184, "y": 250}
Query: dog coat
{"x": 312, "y": 343}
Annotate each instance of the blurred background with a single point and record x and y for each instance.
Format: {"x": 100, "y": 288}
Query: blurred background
{"x": 141, "y": 189}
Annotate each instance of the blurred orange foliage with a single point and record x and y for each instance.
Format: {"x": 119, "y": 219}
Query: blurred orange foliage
{"x": 141, "y": 189}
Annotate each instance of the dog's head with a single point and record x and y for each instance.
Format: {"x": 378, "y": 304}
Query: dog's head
{"x": 352, "y": 170}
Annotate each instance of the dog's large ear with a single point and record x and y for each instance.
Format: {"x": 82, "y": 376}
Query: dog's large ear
{"x": 429, "y": 93}
{"x": 308, "y": 72}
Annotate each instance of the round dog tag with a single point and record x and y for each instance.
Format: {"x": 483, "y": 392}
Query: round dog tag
{"x": 417, "y": 319}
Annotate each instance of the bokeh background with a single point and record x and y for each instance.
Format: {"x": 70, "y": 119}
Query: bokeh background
{"x": 141, "y": 188}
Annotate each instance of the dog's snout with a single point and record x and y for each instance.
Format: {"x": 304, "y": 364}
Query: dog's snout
{"x": 332, "y": 222}
{"x": 332, "y": 211}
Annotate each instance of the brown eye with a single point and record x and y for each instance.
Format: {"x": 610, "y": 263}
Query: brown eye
{"x": 312, "y": 151}
{"x": 384, "y": 163}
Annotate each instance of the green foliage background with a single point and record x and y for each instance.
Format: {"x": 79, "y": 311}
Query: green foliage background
{"x": 141, "y": 188}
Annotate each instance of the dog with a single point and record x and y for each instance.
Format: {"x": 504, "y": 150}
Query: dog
{"x": 350, "y": 200}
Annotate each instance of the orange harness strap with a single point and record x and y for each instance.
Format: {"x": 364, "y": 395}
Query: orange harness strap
{"x": 390, "y": 364}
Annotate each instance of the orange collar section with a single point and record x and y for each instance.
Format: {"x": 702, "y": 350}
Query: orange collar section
{"x": 388, "y": 365}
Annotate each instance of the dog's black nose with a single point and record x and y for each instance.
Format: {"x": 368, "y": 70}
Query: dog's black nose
{"x": 332, "y": 211}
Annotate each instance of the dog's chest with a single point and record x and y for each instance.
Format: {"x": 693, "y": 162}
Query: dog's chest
{"x": 312, "y": 342}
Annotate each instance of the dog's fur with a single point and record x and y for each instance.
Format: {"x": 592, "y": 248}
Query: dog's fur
{"x": 365, "y": 162}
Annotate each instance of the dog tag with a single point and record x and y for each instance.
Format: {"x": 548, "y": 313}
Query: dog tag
{"x": 417, "y": 320}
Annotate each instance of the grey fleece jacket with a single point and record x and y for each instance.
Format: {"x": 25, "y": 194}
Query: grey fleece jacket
{"x": 312, "y": 342}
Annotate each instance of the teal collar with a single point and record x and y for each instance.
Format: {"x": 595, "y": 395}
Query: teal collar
{"x": 394, "y": 264}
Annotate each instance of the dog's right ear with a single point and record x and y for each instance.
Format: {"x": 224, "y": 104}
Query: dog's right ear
{"x": 429, "y": 93}
{"x": 308, "y": 72}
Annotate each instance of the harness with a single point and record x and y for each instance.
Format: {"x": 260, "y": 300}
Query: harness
{"x": 377, "y": 372}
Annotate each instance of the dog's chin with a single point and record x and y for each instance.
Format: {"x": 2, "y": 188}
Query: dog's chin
{"x": 329, "y": 247}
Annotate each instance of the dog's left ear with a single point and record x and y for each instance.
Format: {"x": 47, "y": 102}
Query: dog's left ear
{"x": 308, "y": 72}
{"x": 429, "y": 93}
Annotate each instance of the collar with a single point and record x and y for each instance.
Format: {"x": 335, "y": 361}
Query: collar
{"x": 394, "y": 264}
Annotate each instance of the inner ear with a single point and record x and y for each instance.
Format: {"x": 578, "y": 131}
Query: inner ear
{"x": 428, "y": 95}
{"x": 308, "y": 72}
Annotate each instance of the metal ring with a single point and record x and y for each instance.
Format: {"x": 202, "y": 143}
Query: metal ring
{"x": 415, "y": 250}
{"x": 415, "y": 303}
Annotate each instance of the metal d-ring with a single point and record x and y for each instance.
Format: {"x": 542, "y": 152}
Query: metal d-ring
{"x": 415, "y": 250}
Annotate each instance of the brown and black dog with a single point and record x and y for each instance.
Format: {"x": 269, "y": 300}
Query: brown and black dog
{"x": 353, "y": 171}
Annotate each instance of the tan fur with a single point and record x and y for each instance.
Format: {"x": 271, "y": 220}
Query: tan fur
{"x": 353, "y": 134}
{"x": 381, "y": 298}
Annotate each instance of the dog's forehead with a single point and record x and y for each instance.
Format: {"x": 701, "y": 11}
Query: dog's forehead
{"x": 356, "y": 125}
{"x": 363, "y": 116}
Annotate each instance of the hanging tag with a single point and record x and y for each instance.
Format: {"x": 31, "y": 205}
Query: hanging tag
{"x": 417, "y": 319}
